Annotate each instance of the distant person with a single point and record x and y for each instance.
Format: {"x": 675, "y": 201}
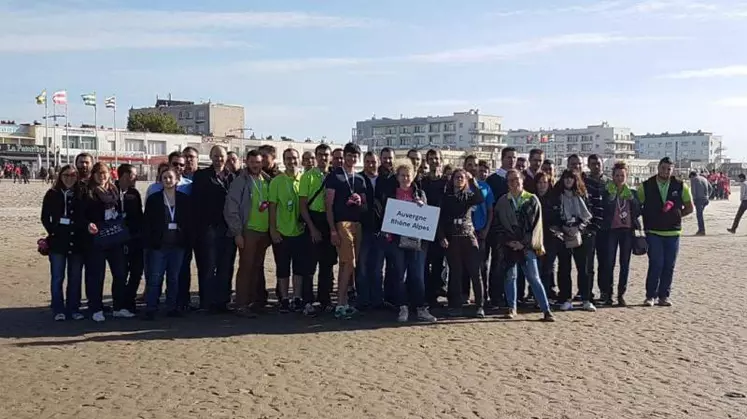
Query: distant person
{"x": 700, "y": 189}
{"x": 308, "y": 161}
{"x": 233, "y": 164}
{"x": 338, "y": 158}
{"x": 521, "y": 164}
{"x": 742, "y": 205}
{"x": 191, "y": 159}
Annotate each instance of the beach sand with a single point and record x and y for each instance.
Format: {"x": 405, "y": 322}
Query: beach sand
{"x": 687, "y": 361}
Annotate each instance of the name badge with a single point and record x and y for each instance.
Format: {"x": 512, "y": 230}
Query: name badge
{"x": 172, "y": 226}
{"x": 290, "y": 204}
{"x": 65, "y": 221}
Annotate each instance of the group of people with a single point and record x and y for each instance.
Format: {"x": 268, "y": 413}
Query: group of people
{"x": 720, "y": 185}
{"x": 17, "y": 171}
{"x": 498, "y": 230}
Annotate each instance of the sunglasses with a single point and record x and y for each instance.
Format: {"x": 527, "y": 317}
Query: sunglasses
{"x": 175, "y": 164}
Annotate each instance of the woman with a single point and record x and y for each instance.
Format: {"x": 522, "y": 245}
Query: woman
{"x": 570, "y": 217}
{"x": 165, "y": 234}
{"x": 544, "y": 183}
{"x": 61, "y": 217}
{"x": 518, "y": 217}
{"x": 621, "y": 212}
{"x": 407, "y": 254}
{"x": 107, "y": 237}
{"x": 457, "y": 236}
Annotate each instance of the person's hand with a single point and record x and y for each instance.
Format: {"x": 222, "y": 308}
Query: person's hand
{"x": 444, "y": 243}
{"x": 316, "y": 235}
{"x": 276, "y": 237}
{"x": 419, "y": 202}
{"x": 92, "y": 229}
{"x": 468, "y": 175}
{"x": 335, "y": 238}
{"x": 239, "y": 240}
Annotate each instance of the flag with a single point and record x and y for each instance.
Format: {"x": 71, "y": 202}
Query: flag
{"x": 544, "y": 139}
{"x": 89, "y": 99}
{"x": 60, "y": 97}
{"x": 111, "y": 102}
{"x": 42, "y": 98}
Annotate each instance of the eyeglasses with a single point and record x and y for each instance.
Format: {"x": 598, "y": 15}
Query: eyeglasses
{"x": 175, "y": 164}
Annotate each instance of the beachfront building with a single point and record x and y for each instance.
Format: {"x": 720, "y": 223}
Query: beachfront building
{"x": 470, "y": 132}
{"x": 603, "y": 140}
{"x": 701, "y": 148}
{"x": 207, "y": 118}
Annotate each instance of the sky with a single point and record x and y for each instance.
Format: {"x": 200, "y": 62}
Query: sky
{"x": 311, "y": 68}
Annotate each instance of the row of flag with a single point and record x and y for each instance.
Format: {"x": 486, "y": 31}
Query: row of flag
{"x": 89, "y": 99}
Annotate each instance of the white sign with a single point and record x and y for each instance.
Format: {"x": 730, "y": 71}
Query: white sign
{"x": 410, "y": 220}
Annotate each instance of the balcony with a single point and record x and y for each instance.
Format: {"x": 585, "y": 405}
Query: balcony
{"x": 490, "y": 131}
{"x": 612, "y": 141}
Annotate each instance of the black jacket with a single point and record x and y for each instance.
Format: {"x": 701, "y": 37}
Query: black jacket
{"x": 64, "y": 239}
{"x": 133, "y": 209}
{"x": 209, "y": 197}
{"x": 556, "y": 218}
{"x": 156, "y": 221}
{"x": 499, "y": 185}
{"x": 459, "y": 207}
{"x": 595, "y": 190}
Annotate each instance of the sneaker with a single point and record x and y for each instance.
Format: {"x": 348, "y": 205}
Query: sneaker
{"x": 425, "y": 316}
{"x": 78, "y": 316}
{"x": 351, "y": 311}
{"x": 589, "y": 306}
{"x": 404, "y": 314}
{"x": 700, "y": 233}
{"x": 566, "y": 306}
{"x": 308, "y": 310}
{"x": 60, "y": 317}
{"x": 480, "y": 314}
{"x": 649, "y": 302}
{"x": 98, "y": 317}
{"x": 285, "y": 306}
{"x": 123, "y": 313}
{"x": 340, "y": 313}
{"x": 665, "y": 302}
{"x": 297, "y": 304}
{"x": 455, "y": 312}
{"x": 511, "y": 313}
{"x": 621, "y": 301}
{"x": 732, "y": 230}
{"x": 548, "y": 317}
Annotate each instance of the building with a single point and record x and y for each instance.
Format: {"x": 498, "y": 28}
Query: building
{"x": 214, "y": 119}
{"x": 684, "y": 148}
{"x": 471, "y": 131}
{"x": 603, "y": 140}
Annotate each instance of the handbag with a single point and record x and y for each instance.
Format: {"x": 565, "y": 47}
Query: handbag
{"x": 640, "y": 245}
{"x": 573, "y": 241}
{"x": 410, "y": 243}
{"x": 42, "y": 246}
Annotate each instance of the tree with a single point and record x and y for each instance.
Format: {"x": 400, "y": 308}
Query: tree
{"x": 153, "y": 122}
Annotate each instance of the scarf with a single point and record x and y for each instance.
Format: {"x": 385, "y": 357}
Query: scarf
{"x": 624, "y": 195}
{"x": 107, "y": 193}
{"x": 574, "y": 207}
{"x": 509, "y": 220}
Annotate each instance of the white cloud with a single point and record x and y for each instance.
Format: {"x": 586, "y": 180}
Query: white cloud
{"x": 104, "y": 41}
{"x": 733, "y": 102}
{"x": 677, "y": 9}
{"x": 728, "y": 71}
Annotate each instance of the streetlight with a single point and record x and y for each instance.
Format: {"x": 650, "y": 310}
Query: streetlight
{"x": 54, "y": 137}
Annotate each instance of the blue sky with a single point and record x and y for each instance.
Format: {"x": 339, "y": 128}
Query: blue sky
{"x": 311, "y": 69}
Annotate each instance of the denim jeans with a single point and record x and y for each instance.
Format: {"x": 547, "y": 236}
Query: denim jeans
{"x": 168, "y": 261}
{"x": 662, "y": 256}
{"x": 58, "y": 263}
{"x": 617, "y": 239}
{"x": 699, "y": 209}
{"x": 369, "y": 280}
{"x": 185, "y": 279}
{"x": 409, "y": 269}
{"x": 96, "y": 260}
{"x": 215, "y": 266}
{"x": 579, "y": 256}
{"x": 531, "y": 273}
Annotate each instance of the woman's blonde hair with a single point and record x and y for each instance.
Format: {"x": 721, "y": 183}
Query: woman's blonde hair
{"x": 404, "y": 164}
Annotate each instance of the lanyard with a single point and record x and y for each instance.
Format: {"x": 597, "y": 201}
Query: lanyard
{"x": 259, "y": 189}
{"x": 121, "y": 200}
{"x": 347, "y": 180}
{"x": 64, "y": 200}
{"x": 172, "y": 209}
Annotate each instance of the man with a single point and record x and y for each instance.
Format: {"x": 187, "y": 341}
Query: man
{"x": 482, "y": 218}
{"x": 288, "y": 245}
{"x": 536, "y": 157}
{"x": 307, "y": 161}
{"x": 132, "y": 207}
{"x": 346, "y": 207}
{"x": 386, "y": 182}
{"x": 311, "y": 194}
{"x": 416, "y": 159}
{"x": 665, "y": 201}
{"x": 574, "y": 164}
{"x": 548, "y": 166}
{"x": 338, "y": 158}
{"x": 499, "y": 185}
{"x": 84, "y": 163}
{"x": 246, "y": 214}
{"x": 742, "y": 205}
{"x": 596, "y": 184}
{"x": 434, "y": 185}
{"x": 191, "y": 160}
{"x": 521, "y": 164}
{"x": 177, "y": 163}
{"x": 268, "y": 153}
{"x": 217, "y": 250}
{"x": 232, "y": 162}
{"x": 700, "y": 190}
{"x": 368, "y": 280}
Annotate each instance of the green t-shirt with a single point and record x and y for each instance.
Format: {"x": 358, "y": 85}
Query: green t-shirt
{"x": 663, "y": 189}
{"x": 311, "y": 182}
{"x": 284, "y": 193}
{"x": 259, "y": 220}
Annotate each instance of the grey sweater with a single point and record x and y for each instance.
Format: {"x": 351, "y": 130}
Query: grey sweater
{"x": 700, "y": 189}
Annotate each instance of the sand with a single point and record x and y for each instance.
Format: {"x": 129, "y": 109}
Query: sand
{"x": 687, "y": 361}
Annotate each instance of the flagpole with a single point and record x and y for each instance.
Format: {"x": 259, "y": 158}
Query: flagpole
{"x": 67, "y": 133}
{"x": 96, "y": 126}
{"x": 46, "y": 126}
{"x": 116, "y": 147}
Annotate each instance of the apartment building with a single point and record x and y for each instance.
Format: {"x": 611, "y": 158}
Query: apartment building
{"x": 603, "y": 140}
{"x": 686, "y": 147}
{"x": 208, "y": 118}
{"x": 471, "y": 132}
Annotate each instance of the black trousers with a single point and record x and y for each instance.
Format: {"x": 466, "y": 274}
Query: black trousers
{"x": 597, "y": 251}
{"x": 579, "y": 256}
{"x": 463, "y": 253}
{"x": 134, "y": 258}
{"x": 435, "y": 285}
{"x": 740, "y": 213}
{"x": 466, "y": 283}
{"x": 323, "y": 255}
{"x": 184, "y": 298}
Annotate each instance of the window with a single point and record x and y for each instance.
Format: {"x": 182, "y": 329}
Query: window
{"x": 404, "y": 130}
{"x": 189, "y": 115}
{"x": 434, "y": 139}
{"x": 435, "y": 128}
{"x": 450, "y": 139}
{"x": 461, "y": 125}
{"x": 112, "y": 146}
{"x": 190, "y": 129}
{"x": 404, "y": 141}
{"x": 156, "y": 148}
{"x": 449, "y": 127}
{"x": 74, "y": 141}
{"x": 379, "y": 131}
{"x": 391, "y": 130}
{"x": 181, "y": 115}
{"x": 88, "y": 143}
{"x": 200, "y": 114}
{"x": 134, "y": 145}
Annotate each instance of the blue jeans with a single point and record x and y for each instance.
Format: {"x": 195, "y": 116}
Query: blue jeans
{"x": 617, "y": 239}
{"x": 531, "y": 273}
{"x": 215, "y": 263}
{"x": 74, "y": 264}
{"x": 409, "y": 289}
{"x": 699, "y": 209}
{"x": 96, "y": 260}
{"x": 370, "y": 276}
{"x": 162, "y": 261}
{"x": 662, "y": 256}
